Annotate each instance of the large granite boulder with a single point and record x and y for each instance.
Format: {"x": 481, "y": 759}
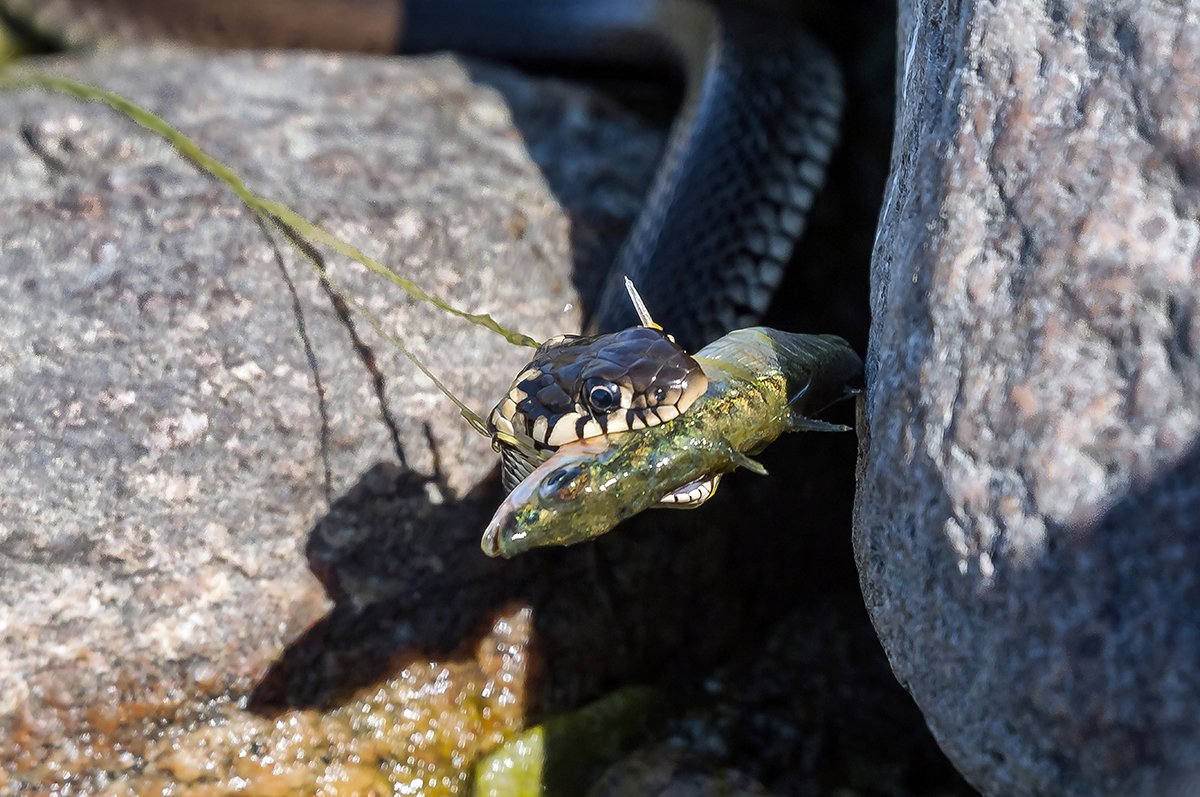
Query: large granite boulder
{"x": 1028, "y": 514}
{"x": 168, "y": 461}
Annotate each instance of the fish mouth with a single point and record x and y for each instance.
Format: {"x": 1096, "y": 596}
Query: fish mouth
{"x": 505, "y": 535}
{"x": 692, "y": 494}
{"x": 490, "y": 542}
{"x": 493, "y": 536}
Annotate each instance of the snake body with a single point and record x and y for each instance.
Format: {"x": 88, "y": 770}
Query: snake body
{"x": 747, "y": 153}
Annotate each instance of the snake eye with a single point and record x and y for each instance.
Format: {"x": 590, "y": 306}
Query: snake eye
{"x": 559, "y": 480}
{"x": 660, "y": 393}
{"x": 603, "y": 396}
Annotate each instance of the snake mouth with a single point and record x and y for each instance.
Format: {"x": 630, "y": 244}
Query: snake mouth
{"x": 692, "y": 494}
{"x": 580, "y": 387}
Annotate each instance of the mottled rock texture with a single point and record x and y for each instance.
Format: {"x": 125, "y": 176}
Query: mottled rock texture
{"x": 164, "y": 503}
{"x": 1028, "y": 514}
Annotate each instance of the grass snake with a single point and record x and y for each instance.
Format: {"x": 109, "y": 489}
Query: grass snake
{"x": 746, "y": 155}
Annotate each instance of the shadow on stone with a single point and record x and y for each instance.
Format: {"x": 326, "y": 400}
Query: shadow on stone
{"x": 596, "y": 158}
{"x": 1109, "y": 656}
{"x": 407, "y": 580}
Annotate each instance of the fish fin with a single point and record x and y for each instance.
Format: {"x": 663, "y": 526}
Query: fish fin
{"x": 799, "y": 394}
{"x": 802, "y": 424}
{"x": 743, "y": 461}
{"x": 639, "y": 306}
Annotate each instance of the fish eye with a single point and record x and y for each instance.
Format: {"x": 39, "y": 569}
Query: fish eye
{"x": 603, "y": 396}
{"x": 558, "y": 480}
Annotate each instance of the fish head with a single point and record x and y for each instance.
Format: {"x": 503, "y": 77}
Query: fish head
{"x": 571, "y": 497}
{"x": 585, "y": 489}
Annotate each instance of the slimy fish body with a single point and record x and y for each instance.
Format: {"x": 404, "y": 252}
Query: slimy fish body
{"x": 761, "y": 383}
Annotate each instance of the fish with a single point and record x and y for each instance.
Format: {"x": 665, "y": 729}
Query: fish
{"x": 762, "y": 383}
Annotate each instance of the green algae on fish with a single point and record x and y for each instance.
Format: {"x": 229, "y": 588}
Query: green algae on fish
{"x": 762, "y": 383}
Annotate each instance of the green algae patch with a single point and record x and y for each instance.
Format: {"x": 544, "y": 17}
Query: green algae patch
{"x": 567, "y": 753}
{"x": 515, "y": 769}
{"x": 417, "y": 732}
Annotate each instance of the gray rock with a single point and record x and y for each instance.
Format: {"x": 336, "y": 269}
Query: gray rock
{"x": 1028, "y": 515}
{"x": 162, "y": 467}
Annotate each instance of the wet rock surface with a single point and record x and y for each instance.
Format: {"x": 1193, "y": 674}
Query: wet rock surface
{"x": 416, "y": 730}
{"x": 1029, "y": 495}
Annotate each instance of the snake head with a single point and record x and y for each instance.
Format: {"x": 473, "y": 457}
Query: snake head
{"x": 577, "y": 388}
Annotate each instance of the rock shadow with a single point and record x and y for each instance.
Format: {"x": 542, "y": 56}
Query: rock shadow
{"x": 1115, "y": 637}
{"x": 598, "y": 151}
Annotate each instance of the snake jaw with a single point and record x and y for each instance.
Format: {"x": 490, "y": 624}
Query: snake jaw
{"x": 692, "y": 494}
